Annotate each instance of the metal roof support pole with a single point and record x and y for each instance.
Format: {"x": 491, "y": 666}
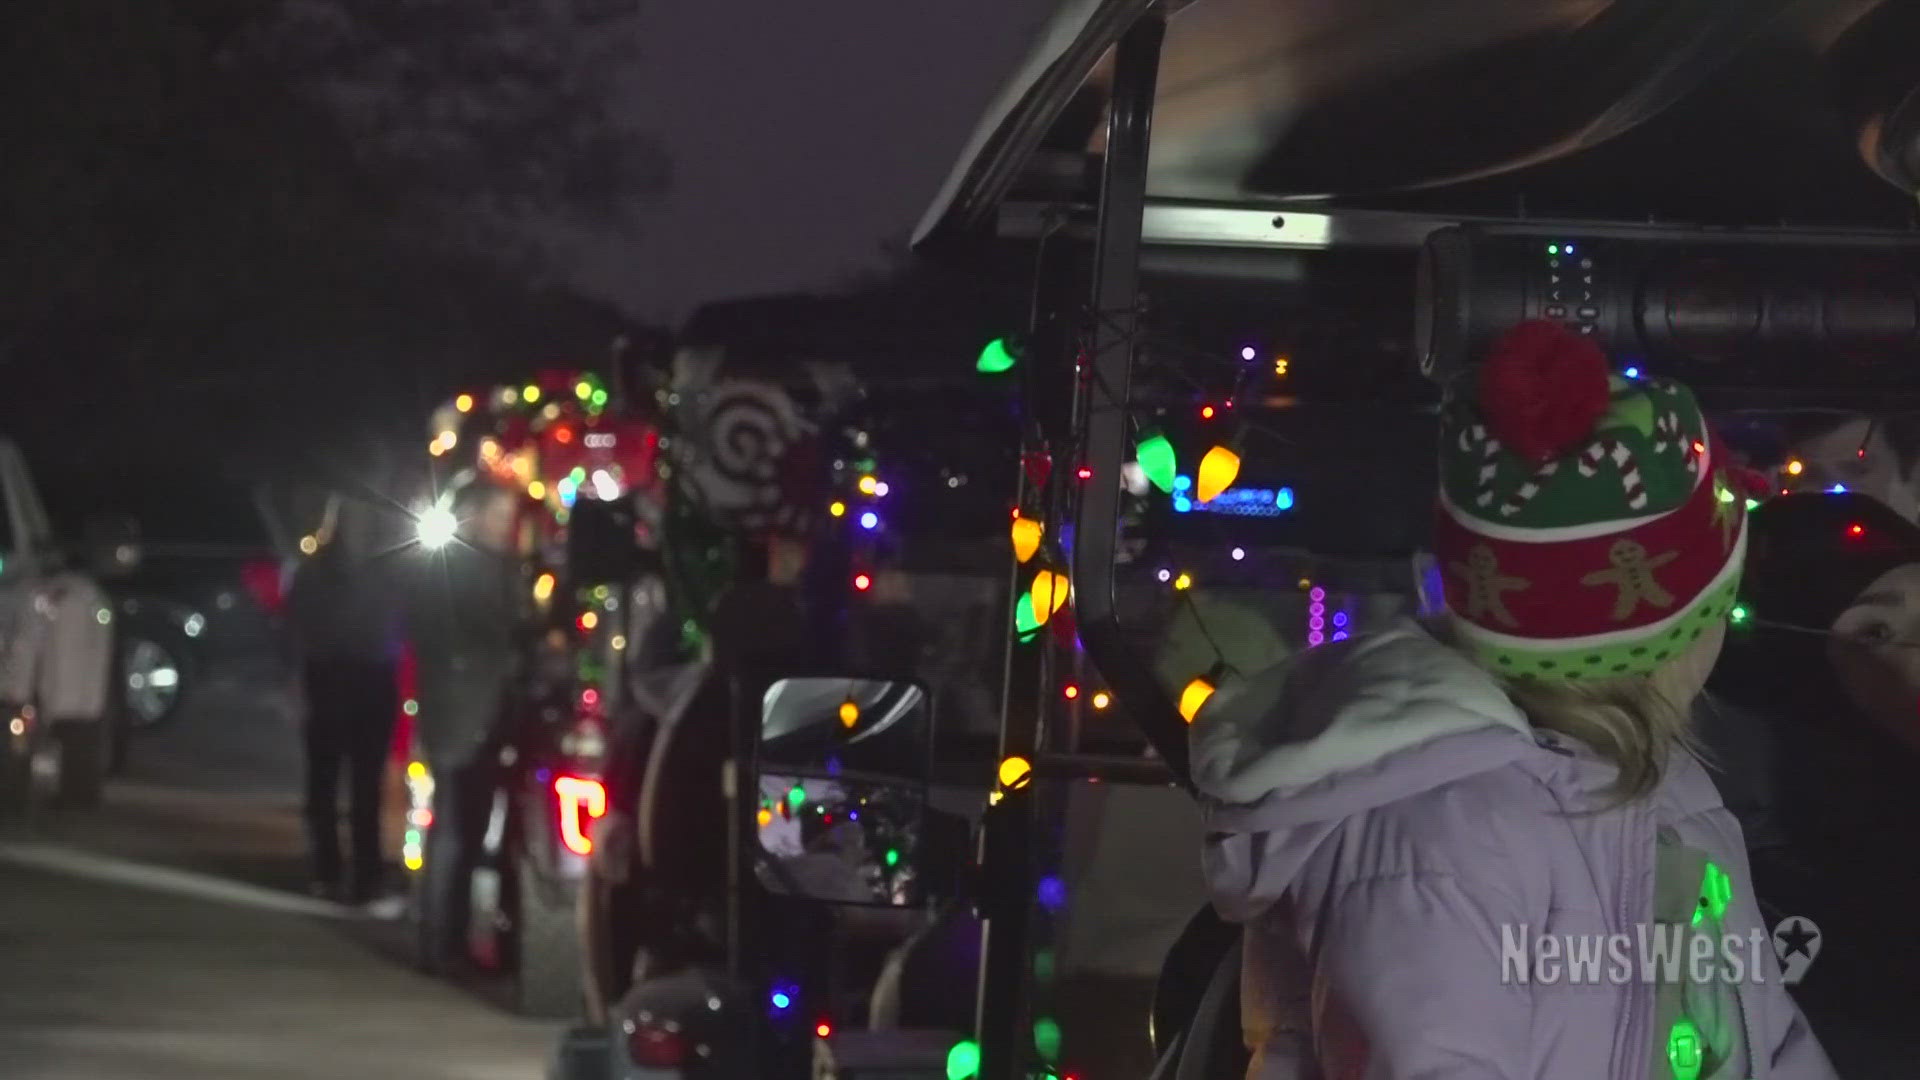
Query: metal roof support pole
{"x": 1104, "y": 414}
{"x": 1008, "y": 849}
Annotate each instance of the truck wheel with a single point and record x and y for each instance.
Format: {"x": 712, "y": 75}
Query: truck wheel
{"x": 84, "y": 754}
{"x": 155, "y": 670}
{"x": 546, "y": 954}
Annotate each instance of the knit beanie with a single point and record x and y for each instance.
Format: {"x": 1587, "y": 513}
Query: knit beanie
{"x": 1812, "y": 554}
{"x": 1587, "y": 529}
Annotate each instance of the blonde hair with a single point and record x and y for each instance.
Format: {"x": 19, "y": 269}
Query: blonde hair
{"x": 1632, "y": 721}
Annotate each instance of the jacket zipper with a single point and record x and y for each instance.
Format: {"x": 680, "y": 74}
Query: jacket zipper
{"x": 1631, "y": 1050}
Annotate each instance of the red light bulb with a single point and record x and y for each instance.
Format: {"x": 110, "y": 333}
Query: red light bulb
{"x": 1085, "y": 473}
{"x": 1206, "y": 412}
{"x": 1071, "y": 691}
{"x": 823, "y": 1029}
{"x": 862, "y": 582}
{"x": 1856, "y": 529}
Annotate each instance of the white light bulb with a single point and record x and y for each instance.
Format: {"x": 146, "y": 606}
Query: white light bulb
{"x": 435, "y": 528}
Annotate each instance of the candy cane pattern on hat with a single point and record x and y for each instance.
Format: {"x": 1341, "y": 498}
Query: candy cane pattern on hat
{"x": 1524, "y": 494}
{"x": 1489, "y": 448}
{"x": 1601, "y": 450}
{"x": 1668, "y": 432}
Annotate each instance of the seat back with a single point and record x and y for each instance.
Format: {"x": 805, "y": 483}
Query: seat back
{"x": 682, "y": 819}
{"x": 1213, "y": 1048}
{"x": 1186, "y": 973}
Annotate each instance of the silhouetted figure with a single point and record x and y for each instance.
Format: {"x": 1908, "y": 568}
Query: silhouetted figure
{"x": 345, "y": 624}
{"x": 464, "y": 619}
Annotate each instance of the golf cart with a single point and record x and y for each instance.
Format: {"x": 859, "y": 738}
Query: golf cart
{"x": 1236, "y": 205}
{"x": 577, "y": 467}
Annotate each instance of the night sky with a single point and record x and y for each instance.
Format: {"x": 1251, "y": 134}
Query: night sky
{"x": 801, "y": 147}
{"x": 217, "y": 270}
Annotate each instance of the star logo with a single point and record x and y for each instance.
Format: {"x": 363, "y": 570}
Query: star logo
{"x": 1796, "y": 941}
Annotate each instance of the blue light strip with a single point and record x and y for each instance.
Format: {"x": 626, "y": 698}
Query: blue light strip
{"x": 1235, "y": 502}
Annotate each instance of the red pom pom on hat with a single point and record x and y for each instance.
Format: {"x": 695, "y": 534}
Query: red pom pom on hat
{"x": 1543, "y": 389}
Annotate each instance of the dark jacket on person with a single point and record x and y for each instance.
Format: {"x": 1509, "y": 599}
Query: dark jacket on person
{"x": 1830, "y": 805}
{"x": 342, "y": 609}
{"x": 464, "y": 618}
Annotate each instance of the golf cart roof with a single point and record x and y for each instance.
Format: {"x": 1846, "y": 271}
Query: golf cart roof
{"x": 1374, "y": 122}
{"x": 927, "y": 320}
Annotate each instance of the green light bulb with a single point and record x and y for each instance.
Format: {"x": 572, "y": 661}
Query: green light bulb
{"x": 797, "y": 797}
{"x": 1739, "y": 614}
{"x": 1043, "y": 965}
{"x": 893, "y": 857}
{"x": 1023, "y": 620}
{"x": 1716, "y": 892}
{"x": 963, "y": 1060}
{"x": 995, "y": 358}
{"x": 1046, "y": 1039}
{"x": 1683, "y": 1050}
{"x": 1155, "y": 456}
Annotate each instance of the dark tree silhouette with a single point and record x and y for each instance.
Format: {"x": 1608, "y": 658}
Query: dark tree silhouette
{"x": 495, "y": 119}
{"x": 210, "y": 253}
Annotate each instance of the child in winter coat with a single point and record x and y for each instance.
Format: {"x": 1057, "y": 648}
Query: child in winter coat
{"x": 1480, "y": 849}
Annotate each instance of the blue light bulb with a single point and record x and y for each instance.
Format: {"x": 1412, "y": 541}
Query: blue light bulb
{"x": 781, "y": 1000}
{"x": 1633, "y": 373}
{"x": 1284, "y": 498}
{"x": 1182, "y": 504}
{"x": 1182, "y": 483}
{"x": 1837, "y": 489}
{"x": 869, "y": 520}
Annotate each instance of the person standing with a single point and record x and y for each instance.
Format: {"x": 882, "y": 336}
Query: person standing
{"x": 465, "y": 617}
{"x": 1824, "y": 674}
{"x": 345, "y": 628}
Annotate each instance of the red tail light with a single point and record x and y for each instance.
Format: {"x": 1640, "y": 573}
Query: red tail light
{"x": 656, "y": 1048}
{"x": 262, "y": 578}
{"x": 581, "y": 801}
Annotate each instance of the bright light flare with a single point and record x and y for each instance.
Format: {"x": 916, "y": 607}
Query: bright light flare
{"x": 436, "y": 527}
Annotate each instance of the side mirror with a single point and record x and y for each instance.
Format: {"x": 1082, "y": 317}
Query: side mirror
{"x": 112, "y": 546}
{"x": 600, "y": 541}
{"x": 842, "y": 784}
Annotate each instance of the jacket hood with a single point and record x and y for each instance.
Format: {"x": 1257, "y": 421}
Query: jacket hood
{"x": 1283, "y": 756}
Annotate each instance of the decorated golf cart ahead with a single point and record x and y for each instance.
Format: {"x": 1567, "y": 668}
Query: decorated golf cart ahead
{"x": 579, "y": 465}
{"x": 1265, "y": 234}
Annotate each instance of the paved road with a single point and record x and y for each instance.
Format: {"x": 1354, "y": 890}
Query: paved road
{"x": 164, "y": 936}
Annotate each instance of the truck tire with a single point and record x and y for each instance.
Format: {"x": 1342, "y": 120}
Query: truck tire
{"x": 546, "y": 953}
{"x": 84, "y": 756}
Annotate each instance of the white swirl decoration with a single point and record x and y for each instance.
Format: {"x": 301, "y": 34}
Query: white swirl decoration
{"x": 747, "y": 428}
